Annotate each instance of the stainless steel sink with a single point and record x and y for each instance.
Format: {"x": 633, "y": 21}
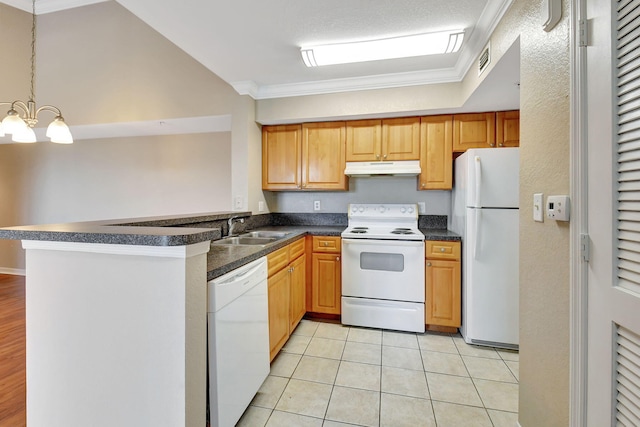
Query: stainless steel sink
{"x": 265, "y": 234}
{"x": 245, "y": 241}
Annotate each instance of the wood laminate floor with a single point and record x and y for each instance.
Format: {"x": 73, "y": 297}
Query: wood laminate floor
{"x": 12, "y": 351}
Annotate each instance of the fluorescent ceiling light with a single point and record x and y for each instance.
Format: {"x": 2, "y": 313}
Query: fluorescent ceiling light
{"x": 373, "y": 50}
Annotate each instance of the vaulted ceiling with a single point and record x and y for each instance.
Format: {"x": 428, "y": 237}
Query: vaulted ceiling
{"x": 254, "y": 45}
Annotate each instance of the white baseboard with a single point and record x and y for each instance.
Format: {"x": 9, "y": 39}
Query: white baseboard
{"x": 13, "y": 271}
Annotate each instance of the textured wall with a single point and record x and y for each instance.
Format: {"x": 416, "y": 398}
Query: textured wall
{"x": 544, "y": 247}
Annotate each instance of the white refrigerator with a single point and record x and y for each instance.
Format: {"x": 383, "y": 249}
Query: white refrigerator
{"x": 485, "y": 213}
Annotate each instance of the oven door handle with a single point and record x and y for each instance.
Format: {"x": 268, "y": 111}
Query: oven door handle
{"x": 378, "y": 242}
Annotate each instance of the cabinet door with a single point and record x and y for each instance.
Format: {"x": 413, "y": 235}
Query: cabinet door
{"x": 436, "y": 153}
{"x": 401, "y": 139}
{"x": 442, "y": 293}
{"x": 474, "y": 131}
{"x": 281, "y": 157}
{"x": 279, "y": 292}
{"x": 323, "y": 156}
{"x": 297, "y": 302}
{"x": 508, "y": 128}
{"x": 364, "y": 140}
{"x": 325, "y": 283}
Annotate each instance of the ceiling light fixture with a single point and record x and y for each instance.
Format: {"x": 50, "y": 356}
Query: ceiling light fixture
{"x": 21, "y": 127}
{"x": 391, "y": 48}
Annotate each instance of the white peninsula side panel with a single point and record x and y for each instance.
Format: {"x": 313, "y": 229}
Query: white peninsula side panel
{"x": 116, "y": 334}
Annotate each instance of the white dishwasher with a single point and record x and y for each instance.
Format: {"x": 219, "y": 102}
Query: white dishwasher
{"x": 238, "y": 323}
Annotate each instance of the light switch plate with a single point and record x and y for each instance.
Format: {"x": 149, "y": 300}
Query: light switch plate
{"x": 538, "y": 207}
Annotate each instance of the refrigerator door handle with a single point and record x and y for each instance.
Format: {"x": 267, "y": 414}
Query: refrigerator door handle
{"x": 478, "y": 173}
{"x": 476, "y": 247}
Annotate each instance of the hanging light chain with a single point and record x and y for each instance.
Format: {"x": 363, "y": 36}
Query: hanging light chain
{"x": 33, "y": 51}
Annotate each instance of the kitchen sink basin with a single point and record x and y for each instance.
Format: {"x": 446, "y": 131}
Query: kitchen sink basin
{"x": 265, "y": 234}
{"x": 245, "y": 241}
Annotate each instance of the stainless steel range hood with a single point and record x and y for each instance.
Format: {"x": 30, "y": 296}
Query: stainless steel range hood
{"x": 398, "y": 168}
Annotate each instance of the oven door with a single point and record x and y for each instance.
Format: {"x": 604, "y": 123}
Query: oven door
{"x": 383, "y": 269}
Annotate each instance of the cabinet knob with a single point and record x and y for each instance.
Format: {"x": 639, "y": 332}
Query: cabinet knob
{"x": 337, "y": 258}
{"x": 428, "y": 264}
{"x": 424, "y": 185}
{"x": 384, "y": 157}
{"x": 501, "y": 145}
{"x": 377, "y": 156}
{"x": 441, "y": 249}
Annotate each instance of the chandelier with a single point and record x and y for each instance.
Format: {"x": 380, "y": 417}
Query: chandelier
{"x": 23, "y": 116}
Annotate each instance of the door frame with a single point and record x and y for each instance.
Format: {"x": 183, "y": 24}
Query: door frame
{"x": 579, "y": 222}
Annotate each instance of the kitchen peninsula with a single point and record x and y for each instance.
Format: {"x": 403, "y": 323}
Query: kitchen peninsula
{"x": 116, "y": 317}
{"x": 116, "y": 311}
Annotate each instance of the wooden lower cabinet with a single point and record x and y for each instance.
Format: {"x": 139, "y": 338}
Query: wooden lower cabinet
{"x": 443, "y": 284}
{"x": 286, "y": 283}
{"x": 325, "y": 284}
{"x": 297, "y": 294}
{"x": 279, "y": 290}
{"x": 326, "y": 268}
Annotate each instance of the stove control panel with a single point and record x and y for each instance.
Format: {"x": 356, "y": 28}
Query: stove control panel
{"x": 383, "y": 210}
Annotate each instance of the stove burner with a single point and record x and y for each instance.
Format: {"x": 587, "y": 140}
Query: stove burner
{"x": 359, "y": 230}
{"x": 402, "y": 231}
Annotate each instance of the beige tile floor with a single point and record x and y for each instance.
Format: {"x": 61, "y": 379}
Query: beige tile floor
{"x": 333, "y": 375}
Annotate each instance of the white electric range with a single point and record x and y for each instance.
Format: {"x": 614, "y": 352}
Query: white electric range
{"x": 383, "y": 268}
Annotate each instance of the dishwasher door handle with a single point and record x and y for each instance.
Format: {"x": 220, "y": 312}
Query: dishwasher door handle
{"x": 240, "y": 276}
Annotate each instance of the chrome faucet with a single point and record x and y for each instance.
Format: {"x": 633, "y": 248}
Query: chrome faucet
{"x": 232, "y": 222}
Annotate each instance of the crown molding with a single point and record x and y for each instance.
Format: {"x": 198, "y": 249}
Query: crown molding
{"x": 49, "y": 6}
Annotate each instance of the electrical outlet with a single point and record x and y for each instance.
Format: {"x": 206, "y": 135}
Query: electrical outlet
{"x": 422, "y": 207}
{"x": 316, "y": 205}
{"x": 261, "y": 206}
{"x": 237, "y": 202}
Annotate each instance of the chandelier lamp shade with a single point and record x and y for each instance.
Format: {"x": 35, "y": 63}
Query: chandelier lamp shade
{"x": 389, "y": 48}
{"x": 23, "y": 116}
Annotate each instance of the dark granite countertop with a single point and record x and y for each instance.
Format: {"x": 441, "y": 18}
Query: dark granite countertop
{"x": 222, "y": 259}
{"x": 439, "y": 234}
{"x": 178, "y": 230}
{"x": 170, "y": 230}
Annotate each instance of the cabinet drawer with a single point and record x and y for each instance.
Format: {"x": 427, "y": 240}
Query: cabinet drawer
{"x": 277, "y": 260}
{"x": 326, "y": 244}
{"x": 296, "y": 249}
{"x": 437, "y": 249}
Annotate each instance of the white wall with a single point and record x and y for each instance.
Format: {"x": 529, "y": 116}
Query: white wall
{"x": 127, "y": 177}
{"x": 364, "y": 190}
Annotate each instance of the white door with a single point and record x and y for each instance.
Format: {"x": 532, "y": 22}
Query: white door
{"x": 613, "y": 211}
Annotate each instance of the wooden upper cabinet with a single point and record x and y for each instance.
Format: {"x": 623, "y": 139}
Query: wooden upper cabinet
{"x": 474, "y": 131}
{"x": 436, "y": 158}
{"x": 364, "y": 140}
{"x": 508, "y": 128}
{"x": 323, "y": 156}
{"x": 387, "y": 139}
{"x": 401, "y": 139}
{"x": 281, "y": 157}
